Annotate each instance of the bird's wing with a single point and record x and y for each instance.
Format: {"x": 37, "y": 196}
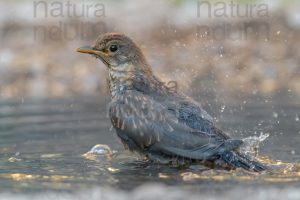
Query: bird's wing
{"x": 151, "y": 126}
{"x": 192, "y": 114}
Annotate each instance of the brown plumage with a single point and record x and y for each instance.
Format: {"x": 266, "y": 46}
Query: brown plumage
{"x": 155, "y": 120}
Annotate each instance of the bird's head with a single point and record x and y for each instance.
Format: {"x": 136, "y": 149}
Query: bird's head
{"x": 115, "y": 50}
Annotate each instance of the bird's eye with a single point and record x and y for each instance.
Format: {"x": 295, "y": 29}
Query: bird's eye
{"x": 113, "y": 48}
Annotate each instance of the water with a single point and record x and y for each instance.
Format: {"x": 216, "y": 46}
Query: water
{"x": 44, "y": 145}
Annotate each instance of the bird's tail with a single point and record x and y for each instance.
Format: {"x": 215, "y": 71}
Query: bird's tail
{"x": 237, "y": 159}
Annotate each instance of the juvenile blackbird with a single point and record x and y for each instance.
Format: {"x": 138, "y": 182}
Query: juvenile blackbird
{"x": 155, "y": 120}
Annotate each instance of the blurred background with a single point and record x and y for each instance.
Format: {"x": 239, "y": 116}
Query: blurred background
{"x": 222, "y": 49}
{"x": 240, "y": 59}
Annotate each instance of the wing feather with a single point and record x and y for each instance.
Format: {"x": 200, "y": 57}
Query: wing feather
{"x": 151, "y": 125}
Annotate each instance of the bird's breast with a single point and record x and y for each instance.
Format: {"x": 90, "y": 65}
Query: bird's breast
{"x": 119, "y": 80}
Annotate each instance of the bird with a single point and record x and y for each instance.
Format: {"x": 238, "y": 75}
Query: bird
{"x": 156, "y": 120}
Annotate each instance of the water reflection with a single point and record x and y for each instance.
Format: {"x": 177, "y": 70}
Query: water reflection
{"x": 129, "y": 170}
{"x": 43, "y": 146}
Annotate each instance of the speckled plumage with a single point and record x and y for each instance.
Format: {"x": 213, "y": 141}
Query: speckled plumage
{"x": 152, "y": 119}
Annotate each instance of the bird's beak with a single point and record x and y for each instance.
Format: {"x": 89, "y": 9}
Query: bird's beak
{"x": 87, "y": 49}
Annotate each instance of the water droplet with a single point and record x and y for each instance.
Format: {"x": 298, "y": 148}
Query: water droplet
{"x": 293, "y": 152}
{"x": 297, "y": 118}
{"x": 223, "y": 108}
{"x": 100, "y": 149}
{"x": 111, "y": 128}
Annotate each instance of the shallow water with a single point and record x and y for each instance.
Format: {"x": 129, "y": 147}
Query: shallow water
{"x": 43, "y": 145}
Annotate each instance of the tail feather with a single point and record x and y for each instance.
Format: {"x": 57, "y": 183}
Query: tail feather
{"x": 236, "y": 159}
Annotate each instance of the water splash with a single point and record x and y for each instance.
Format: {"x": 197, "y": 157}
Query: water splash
{"x": 282, "y": 171}
{"x": 251, "y": 144}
